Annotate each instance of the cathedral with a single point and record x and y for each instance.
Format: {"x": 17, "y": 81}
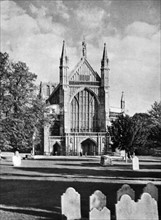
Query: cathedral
{"x": 79, "y": 108}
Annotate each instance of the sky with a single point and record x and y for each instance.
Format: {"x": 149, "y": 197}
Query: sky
{"x": 33, "y": 31}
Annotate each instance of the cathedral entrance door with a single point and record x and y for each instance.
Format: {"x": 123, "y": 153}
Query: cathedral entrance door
{"x": 56, "y": 149}
{"x": 89, "y": 147}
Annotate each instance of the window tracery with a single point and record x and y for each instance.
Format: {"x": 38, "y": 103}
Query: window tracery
{"x": 84, "y": 111}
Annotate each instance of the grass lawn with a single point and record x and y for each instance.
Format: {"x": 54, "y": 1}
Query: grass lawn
{"x": 33, "y": 191}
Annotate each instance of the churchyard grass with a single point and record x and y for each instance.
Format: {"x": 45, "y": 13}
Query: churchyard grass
{"x": 33, "y": 191}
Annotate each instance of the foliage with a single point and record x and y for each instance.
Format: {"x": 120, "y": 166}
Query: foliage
{"x": 120, "y": 133}
{"x": 155, "y": 115}
{"x": 22, "y": 112}
{"x": 142, "y": 132}
{"x": 143, "y": 143}
{"x": 128, "y": 133}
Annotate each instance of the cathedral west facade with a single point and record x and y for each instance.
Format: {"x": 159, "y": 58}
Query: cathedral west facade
{"x": 79, "y": 109}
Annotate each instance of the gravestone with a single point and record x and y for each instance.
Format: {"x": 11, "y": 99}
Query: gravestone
{"x": 147, "y": 208}
{"x": 103, "y": 214}
{"x": 126, "y": 208}
{"x": 98, "y": 210}
{"x": 122, "y": 154}
{"x": 105, "y": 160}
{"x": 97, "y": 200}
{"x": 70, "y": 204}
{"x": 152, "y": 190}
{"x": 125, "y": 189}
{"x": 135, "y": 163}
{"x": 16, "y": 159}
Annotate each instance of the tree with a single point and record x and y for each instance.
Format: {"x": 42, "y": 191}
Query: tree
{"x": 21, "y": 111}
{"x": 143, "y": 143}
{"x": 120, "y": 133}
{"x": 155, "y": 115}
{"x": 128, "y": 133}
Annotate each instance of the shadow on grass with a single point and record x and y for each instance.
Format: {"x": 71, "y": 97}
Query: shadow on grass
{"x": 152, "y": 161}
{"x": 46, "y": 195}
{"x": 66, "y": 159}
{"x": 47, "y": 215}
{"x": 120, "y": 166}
{"x": 111, "y": 171}
{"x": 80, "y": 164}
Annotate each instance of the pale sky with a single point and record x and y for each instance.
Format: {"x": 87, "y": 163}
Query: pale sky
{"x": 33, "y": 32}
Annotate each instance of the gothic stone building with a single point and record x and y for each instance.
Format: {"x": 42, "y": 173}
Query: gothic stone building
{"x": 79, "y": 109}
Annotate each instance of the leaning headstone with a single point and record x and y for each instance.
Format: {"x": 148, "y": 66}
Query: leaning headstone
{"x": 98, "y": 210}
{"x": 70, "y": 204}
{"x": 152, "y": 190}
{"x": 125, "y": 189}
{"x": 103, "y": 214}
{"x": 125, "y": 208}
{"x": 135, "y": 163}
{"x": 16, "y": 159}
{"x": 147, "y": 208}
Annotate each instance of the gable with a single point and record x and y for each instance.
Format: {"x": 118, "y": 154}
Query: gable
{"x": 83, "y": 72}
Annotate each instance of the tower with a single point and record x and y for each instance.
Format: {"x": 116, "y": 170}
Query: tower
{"x": 63, "y": 94}
{"x": 63, "y": 67}
{"x": 105, "y": 87}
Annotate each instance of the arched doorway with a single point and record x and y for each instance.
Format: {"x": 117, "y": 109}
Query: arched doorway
{"x": 89, "y": 147}
{"x": 56, "y": 149}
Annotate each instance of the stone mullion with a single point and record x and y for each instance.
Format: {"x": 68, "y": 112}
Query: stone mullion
{"x": 83, "y": 110}
{"x": 92, "y": 114}
{"x": 75, "y": 115}
{"x": 88, "y": 109}
{"x": 71, "y": 120}
{"x": 78, "y": 112}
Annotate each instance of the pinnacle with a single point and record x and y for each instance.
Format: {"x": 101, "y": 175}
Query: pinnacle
{"x": 104, "y": 61}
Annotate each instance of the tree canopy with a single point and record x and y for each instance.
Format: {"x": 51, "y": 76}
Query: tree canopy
{"x": 129, "y": 133}
{"x": 21, "y": 111}
{"x": 141, "y": 132}
{"x": 155, "y": 115}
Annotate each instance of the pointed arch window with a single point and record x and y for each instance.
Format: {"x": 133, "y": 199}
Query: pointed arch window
{"x": 84, "y": 112}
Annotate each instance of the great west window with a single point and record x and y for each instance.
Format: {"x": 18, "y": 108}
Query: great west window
{"x": 84, "y": 110}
